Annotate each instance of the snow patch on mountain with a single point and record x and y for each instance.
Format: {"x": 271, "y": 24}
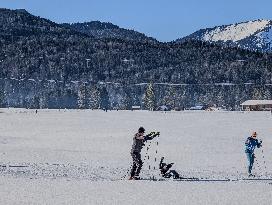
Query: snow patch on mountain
{"x": 264, "y": 38}
{"x": 235, "y": 32}
{"x": 253, "y": 35}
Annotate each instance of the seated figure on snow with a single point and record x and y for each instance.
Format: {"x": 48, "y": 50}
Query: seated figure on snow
{"x": 165, "y": 172}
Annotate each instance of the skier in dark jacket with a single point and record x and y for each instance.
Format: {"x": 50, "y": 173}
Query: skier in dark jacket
{"x": 250, "y": 146}
{"x": 138, "y": 142}
{"x": 165, "y": 170}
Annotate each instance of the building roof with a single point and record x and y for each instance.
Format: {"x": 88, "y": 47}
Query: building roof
{"x": 136, "y": 106}
{"x": 257, "y": 102}
{"x": 197, "y": 107}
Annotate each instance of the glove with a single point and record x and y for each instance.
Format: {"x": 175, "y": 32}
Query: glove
{"x": 151, "y": 134}
{"x": 155, "y": 134}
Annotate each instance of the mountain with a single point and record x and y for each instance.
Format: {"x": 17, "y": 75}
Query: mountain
{"x": 48, "y": 65}
{"x": 16, "y": 23}
{"x": 99, "y": 29}
{"x": 253, "y": 35}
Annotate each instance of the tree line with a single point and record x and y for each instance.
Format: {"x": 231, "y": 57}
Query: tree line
{"x": 36, "y": 49}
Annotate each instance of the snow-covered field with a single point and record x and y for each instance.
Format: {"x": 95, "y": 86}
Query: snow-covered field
{"x": 82, "y": 157}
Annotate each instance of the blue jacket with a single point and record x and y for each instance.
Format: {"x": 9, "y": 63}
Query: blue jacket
{"x": 250, "y": 144}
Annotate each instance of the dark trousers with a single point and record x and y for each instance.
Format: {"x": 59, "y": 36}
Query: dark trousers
{"x": 250, "y": 159}
{"x": 137, "y": 164}
{"x": 171, "y": 173}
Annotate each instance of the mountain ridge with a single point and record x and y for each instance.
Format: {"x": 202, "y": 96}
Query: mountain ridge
{"x": 47, "y": 65}
{"x": 252, "y": 35}
{"x": 226, "y": 35}
{"x": 99, "y": 29}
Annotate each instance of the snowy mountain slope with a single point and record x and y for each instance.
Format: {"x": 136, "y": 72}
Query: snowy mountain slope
{"x": 253, "y": 35}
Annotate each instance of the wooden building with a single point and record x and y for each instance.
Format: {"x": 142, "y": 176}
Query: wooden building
{"x": 257, "y": 105}
{"x": 135, "y": 107}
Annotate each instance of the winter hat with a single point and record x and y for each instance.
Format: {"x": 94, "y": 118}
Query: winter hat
{"x": 141, "y": 130}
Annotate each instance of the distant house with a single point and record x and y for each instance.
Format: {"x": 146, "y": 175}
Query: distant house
{"x": 212, "y": 109}
{"x": 257, "y": 105}
{"x": 197, "y": 107}
{"x": 163, "y": 108}
{"x": 135, "y": 107}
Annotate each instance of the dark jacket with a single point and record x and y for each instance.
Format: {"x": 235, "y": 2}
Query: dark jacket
{"x": 138, "y": 142}
{"x": 164, "y": 167}
{"x": 251, "y": 144}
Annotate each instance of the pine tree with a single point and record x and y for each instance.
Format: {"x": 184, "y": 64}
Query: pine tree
{"x": 149, "y": 98}
{"x": 1, "y": 97}
{"x": 81, "y": 98}
{"x": 257, "y": 94}
{"x": 267, "y": 94}
{"x": 169, "y": 99}
{"x": 220, "y": 98}
{"x": 94, "y": 99}
{"x": 104, "y": 96}
{"x": 127, "y": 102}
{"x": 36, "y": 102}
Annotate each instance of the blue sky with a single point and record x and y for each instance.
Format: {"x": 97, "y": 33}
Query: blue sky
{"x": 165, "y": 20}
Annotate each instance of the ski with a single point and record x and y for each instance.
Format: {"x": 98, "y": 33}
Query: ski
{"x": 184, "y": 179}
{"x": 256, "y": 179}
{"x": 13, "y": 166}
{"x": 202, "y": 180}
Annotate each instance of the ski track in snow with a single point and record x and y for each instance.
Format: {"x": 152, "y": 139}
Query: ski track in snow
{"x": 82, "y": 157}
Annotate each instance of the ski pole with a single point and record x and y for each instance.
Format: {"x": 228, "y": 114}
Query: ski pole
{"x": 258, "y": 165}
{"x": 149, "y": 164}
{"x": 264, "y": 161}
{"x": 155, "y": 157}
{"x": 156, "y": 151}
{"x": 146, "y": 158}
{"x": 127, "y": 173}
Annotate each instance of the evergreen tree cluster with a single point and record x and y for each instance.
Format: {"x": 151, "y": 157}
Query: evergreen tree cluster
{"x": 72, "y": 66}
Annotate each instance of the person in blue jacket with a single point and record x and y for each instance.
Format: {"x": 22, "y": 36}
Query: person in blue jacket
{"x": 250, "y": 145}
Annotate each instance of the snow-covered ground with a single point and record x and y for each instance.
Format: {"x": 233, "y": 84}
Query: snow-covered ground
{"x": 81, "y": 157}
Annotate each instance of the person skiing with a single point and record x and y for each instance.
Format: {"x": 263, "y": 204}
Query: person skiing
{"x": 250, "y": 146}
{"x": 165, "y": 172}
{"x": 138, "y": 142}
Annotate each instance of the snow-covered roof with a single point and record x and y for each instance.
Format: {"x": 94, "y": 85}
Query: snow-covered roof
{"x": 136, "y": 106}
{"x": 257, "y": 102}
{"x": 197, "y": 107}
